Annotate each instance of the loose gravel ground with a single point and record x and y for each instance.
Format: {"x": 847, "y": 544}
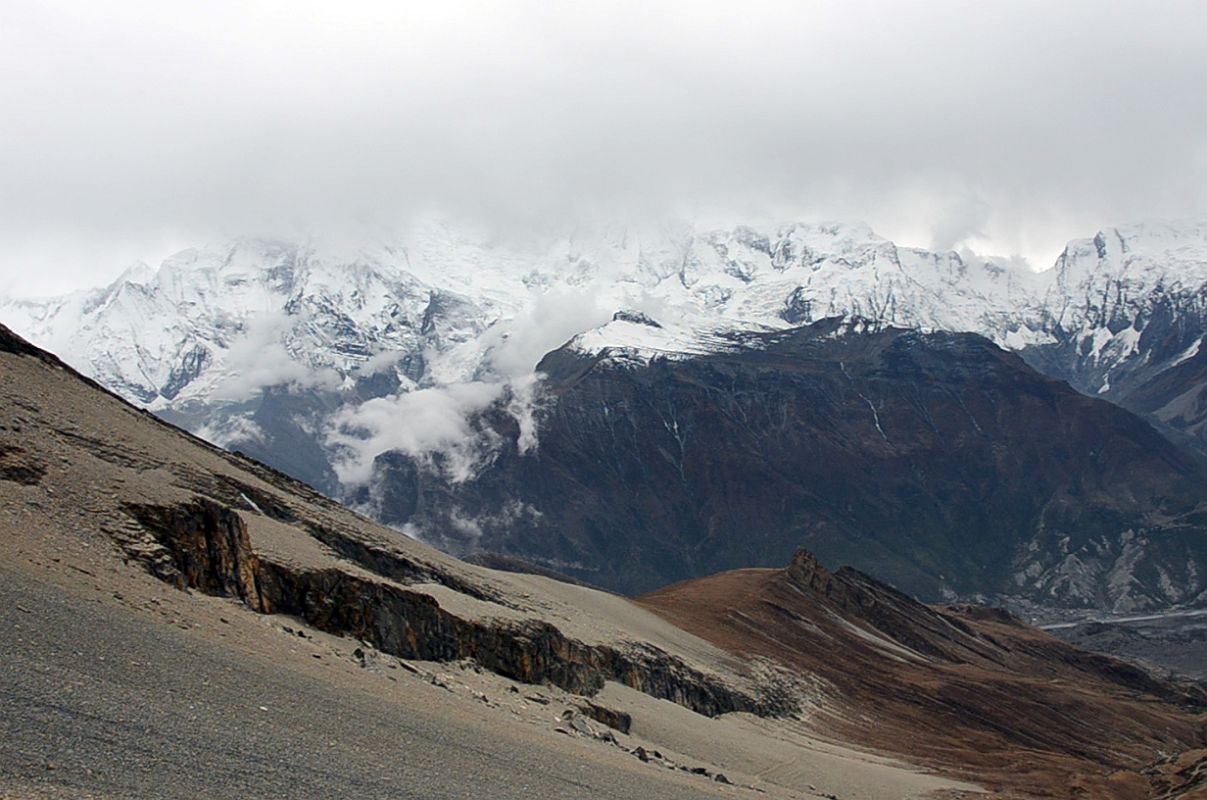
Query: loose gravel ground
{"x": 95, "y": 702}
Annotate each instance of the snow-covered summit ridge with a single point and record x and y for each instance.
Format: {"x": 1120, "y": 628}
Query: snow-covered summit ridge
{"x": 1125, "y": 264}
{"x": 636, "y": 339}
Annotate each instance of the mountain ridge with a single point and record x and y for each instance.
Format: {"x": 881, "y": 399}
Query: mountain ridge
{"x": 396, "y": 296}
{"x": 939, "y": 462}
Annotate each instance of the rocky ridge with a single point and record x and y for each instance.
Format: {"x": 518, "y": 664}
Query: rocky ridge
{"x": 935, "y": 669}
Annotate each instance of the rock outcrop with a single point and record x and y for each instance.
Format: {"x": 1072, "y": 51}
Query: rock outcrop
{"x": 210, "y": 551}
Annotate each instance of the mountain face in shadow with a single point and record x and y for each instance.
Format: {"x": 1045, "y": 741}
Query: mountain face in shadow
{"x": 937, "y": 462}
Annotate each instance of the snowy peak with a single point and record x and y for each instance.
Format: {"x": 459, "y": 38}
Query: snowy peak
{"x": 139, "y": 273}
{"x": 145, "y": 333}
{"x": 634, "y": 338}
{"x": 1133, "y": 260}
{"x": 1125, "y": 305}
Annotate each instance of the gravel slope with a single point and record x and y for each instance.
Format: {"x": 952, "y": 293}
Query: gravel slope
{"x": 94, "y": 700}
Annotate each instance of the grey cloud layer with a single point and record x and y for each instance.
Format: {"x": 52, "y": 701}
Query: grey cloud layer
{"x": 1009, "y": 127}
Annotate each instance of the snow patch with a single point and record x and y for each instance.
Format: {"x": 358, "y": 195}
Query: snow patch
{"x": 1188, "y": 353}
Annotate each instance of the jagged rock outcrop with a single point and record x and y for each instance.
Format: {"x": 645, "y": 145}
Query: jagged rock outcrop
{"x": 19, "y": 466}
{"x": 1182, "y": 776}
{"x": 210, "y": 550}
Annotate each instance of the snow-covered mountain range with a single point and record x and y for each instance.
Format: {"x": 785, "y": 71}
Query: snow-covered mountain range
{"x": 319, "y": 358}
{"x": 395, "y": 342}
{"x": 440, "y": 306}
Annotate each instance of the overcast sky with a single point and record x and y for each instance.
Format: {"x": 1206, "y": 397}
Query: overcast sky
{"x": 128, "y": 130}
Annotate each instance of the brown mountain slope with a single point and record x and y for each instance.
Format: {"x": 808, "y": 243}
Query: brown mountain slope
{"x": 961, "y": 688}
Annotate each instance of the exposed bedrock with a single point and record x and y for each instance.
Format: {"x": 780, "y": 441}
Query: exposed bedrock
{"x": 210, "y": 551}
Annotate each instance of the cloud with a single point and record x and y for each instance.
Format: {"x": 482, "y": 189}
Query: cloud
{"x": 134, "y": 128}
{"x": 259, "y": 360}
{"x": 509, "y": 513}
{"x": 424, "y": 423}
{"x": 524, "y": 396}
{"x": 232, "y": 431}
{"x": 379, "y": 362}
{"x": 966, "y": 218}
{"x": 420, "y": 424}
{"x": 441, "y": 420}
{"x": 547, "y": 321}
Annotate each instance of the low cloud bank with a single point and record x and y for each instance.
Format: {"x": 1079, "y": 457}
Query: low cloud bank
{"x": 438, "y": 424}
{"x": 420, "y": 424}
{"x": 260, "y": 360}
